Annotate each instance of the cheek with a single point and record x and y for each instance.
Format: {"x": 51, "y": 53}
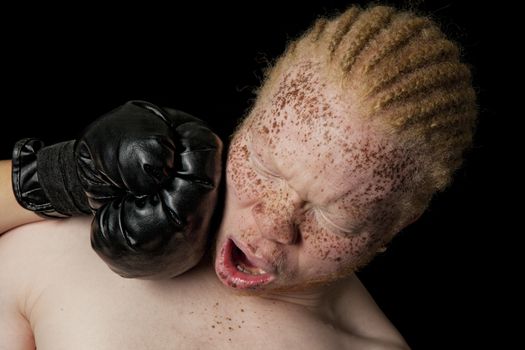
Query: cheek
{"x": 325, "y": 246}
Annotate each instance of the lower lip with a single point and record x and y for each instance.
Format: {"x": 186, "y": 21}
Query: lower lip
{"x": 229, "y": 275}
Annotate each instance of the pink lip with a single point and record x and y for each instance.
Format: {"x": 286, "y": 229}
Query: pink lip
{"x": 259, "y": 262}
{"x": 229, "y": 274}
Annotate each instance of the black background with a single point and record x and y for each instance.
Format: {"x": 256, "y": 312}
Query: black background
{"x": 62, "y": 67}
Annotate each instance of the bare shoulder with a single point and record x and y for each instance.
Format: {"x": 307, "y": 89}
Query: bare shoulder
{"x": 361, "y": 319}
{"x": 35, "y": 255}
{"x": 28, "y": 254}
{"x": 41, "y": 250}
{"x": 43, "y": 240}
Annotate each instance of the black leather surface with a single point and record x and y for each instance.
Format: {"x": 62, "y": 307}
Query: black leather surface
{"x": 150, "y": 176}
{"x": 154, "y": 188}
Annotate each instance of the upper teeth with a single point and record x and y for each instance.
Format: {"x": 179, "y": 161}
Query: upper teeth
{"x": 255, "y": 271}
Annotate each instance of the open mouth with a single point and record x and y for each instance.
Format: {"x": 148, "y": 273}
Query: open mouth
{"x": 236, "y": 270}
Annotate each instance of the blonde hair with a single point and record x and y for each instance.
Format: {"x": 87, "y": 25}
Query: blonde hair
{"x": 407, "y": 77}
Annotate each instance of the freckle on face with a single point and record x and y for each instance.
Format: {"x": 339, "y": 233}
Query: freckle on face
{"x": 299, "y": 122}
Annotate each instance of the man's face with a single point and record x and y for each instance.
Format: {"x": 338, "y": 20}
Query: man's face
{"x": 309, "y": 190}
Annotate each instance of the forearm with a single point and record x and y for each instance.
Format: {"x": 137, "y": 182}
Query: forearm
{"x": 11, "y": 213}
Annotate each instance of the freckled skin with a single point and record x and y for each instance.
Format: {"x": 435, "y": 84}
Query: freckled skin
{"x": 300, "y": 159}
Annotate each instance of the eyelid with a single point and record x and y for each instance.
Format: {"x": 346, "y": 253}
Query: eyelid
{"x": 257, "y": 163}
{"x": 337, "y": 229}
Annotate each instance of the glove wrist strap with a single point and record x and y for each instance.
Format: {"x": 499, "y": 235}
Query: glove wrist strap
{"x": 26, "y": 187}
{"x": 56, "y": 168}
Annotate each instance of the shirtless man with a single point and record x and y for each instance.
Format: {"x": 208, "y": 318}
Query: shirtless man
{"x": 360, "y": 121}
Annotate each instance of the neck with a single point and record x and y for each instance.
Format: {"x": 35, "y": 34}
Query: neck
{"x": 313, "y": 298}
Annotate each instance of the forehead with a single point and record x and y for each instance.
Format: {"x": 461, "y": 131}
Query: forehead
{"x": 304, "y": 130}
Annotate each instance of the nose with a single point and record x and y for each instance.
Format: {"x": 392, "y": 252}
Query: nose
{"x": 276, "y": 221}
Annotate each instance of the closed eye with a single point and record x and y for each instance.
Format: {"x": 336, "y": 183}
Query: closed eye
{"x": 256, "y": 163}
{"x": 341, "y": 231}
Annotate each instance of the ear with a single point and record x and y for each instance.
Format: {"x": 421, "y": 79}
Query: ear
{"x": 410, "y": 220}
{"x": 413, "y": 219}
{"x": 407, "y": 222}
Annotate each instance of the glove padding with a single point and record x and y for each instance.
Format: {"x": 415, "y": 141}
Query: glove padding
{"x": 151, "y": 177}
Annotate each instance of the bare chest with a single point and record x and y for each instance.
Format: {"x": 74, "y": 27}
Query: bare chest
{"x": 82, "y": 314}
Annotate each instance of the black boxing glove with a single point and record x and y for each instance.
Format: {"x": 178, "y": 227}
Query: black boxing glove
{"x": 150, "y": 176}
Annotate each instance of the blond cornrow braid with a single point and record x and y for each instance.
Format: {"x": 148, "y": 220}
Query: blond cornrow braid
{"x": 343, "y": 25}
{"x": 416, "y": 55}
{"x": 363, "y": 30}
{"x": 401, "y": 30}
{"x": 318, "y": 29}
{"x": 440, "y": 74}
